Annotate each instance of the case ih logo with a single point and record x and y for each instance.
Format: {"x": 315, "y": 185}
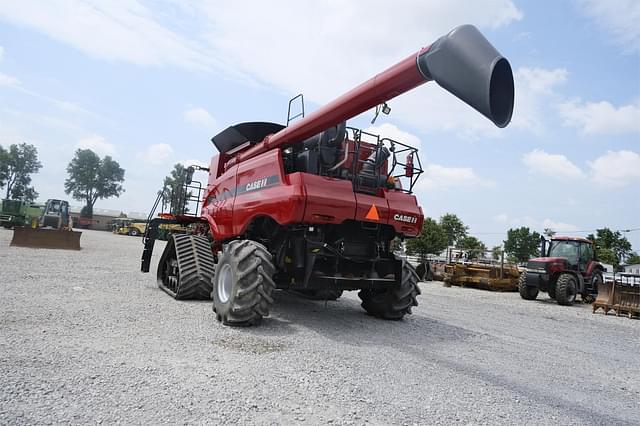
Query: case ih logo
{"x": 403, "y": 218}
{"x": 256, "y": 184}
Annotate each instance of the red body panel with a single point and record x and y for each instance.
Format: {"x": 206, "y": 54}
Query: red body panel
{"x": 259, "y": 187}
{"x": 328, "y": 200}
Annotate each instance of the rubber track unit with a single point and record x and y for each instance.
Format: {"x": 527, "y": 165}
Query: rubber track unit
{"x": 394, "y": 303}
{"x": 526, "y": 292}
{"x": 196, "y": 267}
{"x": 251, "y": 293}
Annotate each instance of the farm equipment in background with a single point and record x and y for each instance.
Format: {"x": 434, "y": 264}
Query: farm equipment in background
{"x": 620, "y": 294}
{"x": 314, "y": 206}
{"x": 469, "y": 268}
{"x": 567, "y": 268}
{"x": 19, "y": 213}
{"x": 53, "y": 229}
{"x": 125, "y": 226}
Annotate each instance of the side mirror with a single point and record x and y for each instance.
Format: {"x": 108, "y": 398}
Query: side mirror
{"x": 408, "y": 168}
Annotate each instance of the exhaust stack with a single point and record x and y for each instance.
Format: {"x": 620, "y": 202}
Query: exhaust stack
{"x": 463, "y": 62}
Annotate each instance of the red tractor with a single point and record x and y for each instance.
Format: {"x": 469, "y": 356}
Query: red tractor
{"x": 568, "y": 267}
{"x": 314, "y": 206}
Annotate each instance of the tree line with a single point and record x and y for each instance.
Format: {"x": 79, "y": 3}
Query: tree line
{"x": 90, "y": 178}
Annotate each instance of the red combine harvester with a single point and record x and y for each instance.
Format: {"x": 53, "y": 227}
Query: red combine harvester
{"x": 313, "y": 207}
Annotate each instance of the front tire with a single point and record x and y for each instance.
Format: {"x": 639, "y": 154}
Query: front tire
{"x": 243, "y": 285}
{"x": 526, "y": 292}
{"x": 393, "y": 303}
{"x": 566, "y": 290}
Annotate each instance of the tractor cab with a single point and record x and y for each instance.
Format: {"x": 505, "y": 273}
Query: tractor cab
{"x": 575, "y": 253}
{"x": 567, "y": 267}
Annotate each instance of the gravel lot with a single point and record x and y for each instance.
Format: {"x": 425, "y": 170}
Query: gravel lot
{"x": 85, "y": 337}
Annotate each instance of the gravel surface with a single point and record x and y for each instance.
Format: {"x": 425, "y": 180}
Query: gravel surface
{"x": 86, "y": 338}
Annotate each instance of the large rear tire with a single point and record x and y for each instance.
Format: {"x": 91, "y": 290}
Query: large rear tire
{"x": 186, "y": 267}
{"x": 243, "y": 285}
{"x": 393, "y": 303}
{"x": 526, "y": 292}
{"x": 566, "y": 290}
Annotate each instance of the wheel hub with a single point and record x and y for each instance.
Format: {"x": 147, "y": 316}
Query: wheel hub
{"x": 225, "y": 283}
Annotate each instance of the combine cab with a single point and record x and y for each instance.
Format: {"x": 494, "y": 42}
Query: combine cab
{"x": 19, "y": 213}
{"x": 53, "y": 230}
{"x": 314, "y": 206}
{"x": 568, "y": 269}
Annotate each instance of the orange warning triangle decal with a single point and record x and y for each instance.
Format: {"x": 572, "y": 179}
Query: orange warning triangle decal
{"x": 373, "y": 213}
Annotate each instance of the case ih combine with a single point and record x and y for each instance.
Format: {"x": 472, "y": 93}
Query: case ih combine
{"x": 313, "y": 207}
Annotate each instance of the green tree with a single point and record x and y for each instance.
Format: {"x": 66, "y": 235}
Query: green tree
{"x": 16, "y": 166}
{"x": 611, "y": 247}
{"x": 173, "y": 191}
{"x": 432, "y": 240}
{"x": 475, "y": 247}
{"x": 496, "y": 252}
{"x": 522, "y": 244}
{"x": 92, "y": 178}
{"x": 633, "y": 258}
{"x": 453, "y": 227}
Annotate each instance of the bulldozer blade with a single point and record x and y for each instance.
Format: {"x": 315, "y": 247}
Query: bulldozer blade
{"x": 626, "y": 300}
{"x": 46, "y": 238}
{"x": 605, "y": 297}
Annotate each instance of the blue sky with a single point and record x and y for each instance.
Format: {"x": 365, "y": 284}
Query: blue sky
{"x": 151, "y": 82}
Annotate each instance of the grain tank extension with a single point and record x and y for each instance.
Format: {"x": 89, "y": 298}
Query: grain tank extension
{"x": 313, "y": 207}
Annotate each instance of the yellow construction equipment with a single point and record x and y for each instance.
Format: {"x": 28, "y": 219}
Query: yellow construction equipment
{"x": 484, "y": 276}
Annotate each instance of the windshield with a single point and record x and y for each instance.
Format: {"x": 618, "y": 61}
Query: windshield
{"x": 566, "y": 249}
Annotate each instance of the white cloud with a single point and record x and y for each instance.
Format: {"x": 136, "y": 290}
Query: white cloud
{"x": 388, "y": 130}
{"x": 118, "y": 31}
{"x": 1, "y": 52}
{"x": 97, "y": 144}
{"x": 554, "y": 165}
{"x": 437, "y": 177}
{"x": 8, "y": 81}
{"x": 619, "y": 17}
{"x": 616, "y": 169}
{"x": 316, "y": 34}
{"x": 199, "y": 116}
{"x": 601, "y": 117}
{"x": 535, "y": 90}
{"x": 156, "y": 155}
{"x": 132, "y": 32}
{"x": 533, "y": 223}
{"x": 328, "y": 64}
{"x": 559, "y": 226}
